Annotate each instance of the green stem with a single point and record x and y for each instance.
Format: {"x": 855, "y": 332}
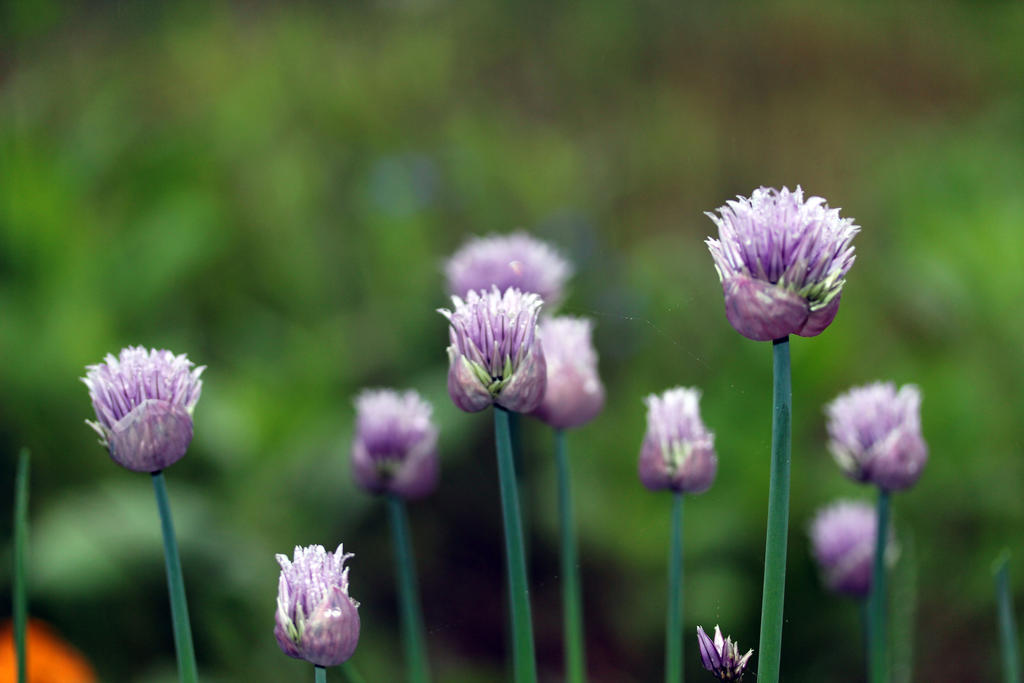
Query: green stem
{"x": 773, "y": 598}
{"x": 352, "y": 674}
{"x": 408, "y": 593}
{"x": 877, "y": 653}
{"x": 320, "y": 674}
{"x": 525, "y": 666}
{"x": 515, "y": 430}
{"x": 902, "y": 606}
{"x": 572, "y": 603}
{"x": 674, "y": 625}
{"x": 187, "y": 671}
{"x": 865, "y": 632}
{"x": 1007, "y": 624}
{"x": 20, "y": 606}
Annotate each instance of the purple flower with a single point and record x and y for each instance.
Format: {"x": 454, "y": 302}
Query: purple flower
{"x": 678, "y": 451}
{"x": 517, "y": 260}
{"x": 316, "y": 620}
{"x": 143, "y": 402}
{"x": 875, "y": 434}
{"x": 843, "y": 541}
{"x": 574, "y": 392}
{"x": 721, "y": 656}
{"x": 782, "y": 262}
{"x": 395, "y": 447}
{"x": 495, "y": 355}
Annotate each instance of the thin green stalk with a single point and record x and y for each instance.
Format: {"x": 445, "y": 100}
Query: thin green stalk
{"x": 408, "y": 594}
{"x": 515, "y": 435}
{"x": 865, "y": 632}
{"x": 320, "y": 674}
{"x": 352, "y": 674}
{"x": 773, "y": 598}
{"x": 525, "y": 666}
{"x": 572, "y": 602}
{"x": 1007, "y": 625}
{"x": 20, "y": 607}
{"x": 187, "y": 671}
{"x": 877, "y": 651}
{"x": 515, "y": 430}
{"x": 674, "y": 626}
{"x": 902, "y": 609}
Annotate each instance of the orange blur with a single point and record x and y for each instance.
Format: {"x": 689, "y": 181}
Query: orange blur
{"x": 50, "y": 659}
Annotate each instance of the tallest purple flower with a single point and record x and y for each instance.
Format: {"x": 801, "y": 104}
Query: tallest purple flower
{"x": 782, "y": 261}
{"x": 143, "y": 402}
{"x": 516, "y": 260}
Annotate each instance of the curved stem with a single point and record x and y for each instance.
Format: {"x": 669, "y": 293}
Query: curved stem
{"x": 1007, "y": 624}
{"x": 20, "y": 606}
{"x": 187, "y": 671}
{"x": 572, "y": 602}
{"x": 773, "y": 598}
{"x": 674, "y": 626}
{"x": 525, "y": 666}
{"x": 877, "y": 605}
{"x": 408, "y": 593}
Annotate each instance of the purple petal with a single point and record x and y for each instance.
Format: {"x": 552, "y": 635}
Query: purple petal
{"x": 153, "y": 436}
{"x": 762, "y": 311}
{"x": 818, "y": 320}
{"x": 708, "y": 654}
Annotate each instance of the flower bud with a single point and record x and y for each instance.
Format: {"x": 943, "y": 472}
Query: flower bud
{"x": 395, "y": 447}
{"x": 721, "y": 656}
{"x": 574, "y": 393}
{"x": 316, "y": 620}
{"x": 843, "y": 542}
{"x": 495, "y": 356}
{"x": 678, "y": 451}
{"x": 143, "y": 402}
{"x": 875, "y": 434}
{"x": 503, "y": 261}
{"x": 782, "y": 262}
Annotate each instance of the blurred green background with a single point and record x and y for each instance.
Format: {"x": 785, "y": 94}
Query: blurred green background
{"x": 273, "y": 190}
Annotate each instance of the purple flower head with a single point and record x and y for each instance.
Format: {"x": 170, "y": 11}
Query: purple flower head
{"x": 316, "y": 620}
{"x": 516, "y": 260}
{"x": 843, "y": 542}
{"x": 143, "y": 402}
{"x": 721, "y": 656}
{"x": 574, "y": 392}
{"x": 782, "y": 262}
{"x": 875, "y": 434}
{"x": 495, "y": 355}
{"x": 395, "y": 447}
{"x": 678, "y": 451}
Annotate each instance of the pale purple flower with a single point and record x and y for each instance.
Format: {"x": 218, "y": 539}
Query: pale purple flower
{"x": 143, "y": 402}
{"x": 843, "y": 542}
{"x": 574, "y": 392}
{"x": 316, "y": 620}
{"x": 782, "y": 262}
{"x": 515, "y": 260}
{"x": 495, "y": 356}
{"x": 721, "y": 656}
{"x": 875, "y": 434}
{"x": 395, "y": 447}
{"x": 678, "y": 451}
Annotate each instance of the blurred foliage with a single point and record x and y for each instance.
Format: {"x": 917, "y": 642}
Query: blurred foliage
{"x": 272, "y": 190}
